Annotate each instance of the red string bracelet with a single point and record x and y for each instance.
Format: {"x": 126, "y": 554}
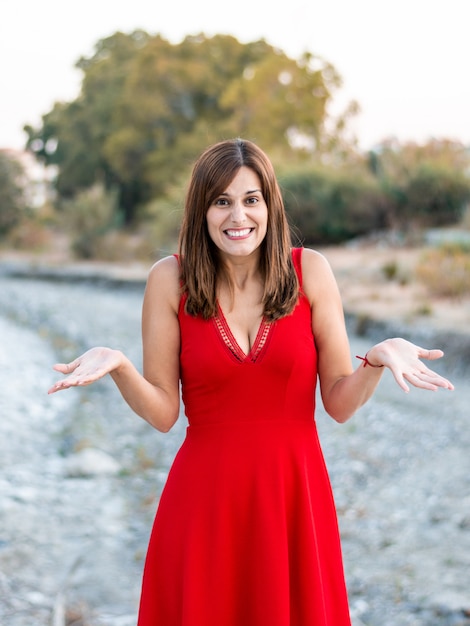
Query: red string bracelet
{"x": 366, "y": 361}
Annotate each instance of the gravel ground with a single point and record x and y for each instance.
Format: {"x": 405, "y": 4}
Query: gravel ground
{"x": 81, "y": 476}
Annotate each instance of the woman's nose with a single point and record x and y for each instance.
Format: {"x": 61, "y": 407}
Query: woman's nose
{"x": 238, "y": 213}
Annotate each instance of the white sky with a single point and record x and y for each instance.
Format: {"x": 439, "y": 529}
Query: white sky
{"x": 405, "y": 61}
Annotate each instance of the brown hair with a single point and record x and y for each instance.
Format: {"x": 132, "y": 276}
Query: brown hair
{"x": 200, "y": 263}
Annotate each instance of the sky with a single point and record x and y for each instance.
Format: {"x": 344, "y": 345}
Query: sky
{"x": 406, "y": 62}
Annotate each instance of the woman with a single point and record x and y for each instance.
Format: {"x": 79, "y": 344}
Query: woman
{"x": 246, "y": 531}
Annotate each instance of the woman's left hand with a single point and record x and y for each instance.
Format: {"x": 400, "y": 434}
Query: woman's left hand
{"x": 403, "y": 358}
{"x": 87, "y": 368}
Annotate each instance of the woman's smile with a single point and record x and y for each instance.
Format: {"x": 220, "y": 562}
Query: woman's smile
{"x": 239, "y": 234}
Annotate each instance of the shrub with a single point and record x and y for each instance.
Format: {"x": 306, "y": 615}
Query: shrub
{"x": 31, "y": 235}
{"x": 88, "y": 216}
{"x": 445, "y": 271}
{"x": 436, "y": 197}
{"x": 162, "y": 222}
{"x": 331, "y": 206}
{"x": 12, "y": 193}
{"x": 390, "y": 270}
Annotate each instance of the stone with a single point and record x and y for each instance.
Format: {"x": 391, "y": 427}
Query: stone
{"x": 90, "y": 462}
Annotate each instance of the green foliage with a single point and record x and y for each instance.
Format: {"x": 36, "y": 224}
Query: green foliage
{"x": 148, "y": 107}
{"x": 279, "y": 98}
{"x": 330, "y": 206}
{"x": 424, "y": 185}
{"x": 436, "y": 197}
{"x": 88, "y": 216}
{"x": 12, "y": 195}
{"x": 162, "y": 224}
{"x": 390, "y": 270}
{"x": 73, "y": 135}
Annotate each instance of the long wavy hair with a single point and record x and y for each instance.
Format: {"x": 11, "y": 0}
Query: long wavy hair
{"x": 201, "y": 265}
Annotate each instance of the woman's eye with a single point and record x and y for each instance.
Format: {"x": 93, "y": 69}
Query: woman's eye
{"x": 225, "y": 202}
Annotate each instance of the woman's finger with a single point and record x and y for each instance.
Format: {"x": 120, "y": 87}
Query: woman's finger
{"x": 65, "y": 368}
{"x": 430, "y": 355}
{"x": 67, "y": 383}
{"x": 427, "y": 379}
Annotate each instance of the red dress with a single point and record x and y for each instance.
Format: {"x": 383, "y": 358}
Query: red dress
{"x": 246, "y": 531}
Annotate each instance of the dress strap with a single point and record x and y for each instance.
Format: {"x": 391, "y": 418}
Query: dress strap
{"x": 297, "y": 260}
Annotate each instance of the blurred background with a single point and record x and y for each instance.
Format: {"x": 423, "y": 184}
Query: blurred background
{"x": 363, "y": 109}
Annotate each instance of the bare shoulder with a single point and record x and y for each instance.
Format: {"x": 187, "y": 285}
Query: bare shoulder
{"x": 312, "y": 259}
{"x": 163, "y": 282}
{"x": 165, "y": 269}
{"x": 317, "y": 275}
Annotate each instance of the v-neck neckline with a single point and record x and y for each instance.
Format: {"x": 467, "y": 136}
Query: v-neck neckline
{"x": 229, "y": 340}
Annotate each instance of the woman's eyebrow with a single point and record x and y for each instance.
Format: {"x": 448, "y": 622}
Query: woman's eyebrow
{"x": 247, "y": 193}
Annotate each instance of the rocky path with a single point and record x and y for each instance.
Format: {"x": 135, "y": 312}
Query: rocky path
{"x": 80, "y": 477}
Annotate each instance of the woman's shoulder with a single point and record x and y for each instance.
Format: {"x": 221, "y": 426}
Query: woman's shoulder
{"x": 313, "y": 260}
{"x": 166, "y": 267}
{"x": 164, "y": 280}
{"x": 317, "y": 275}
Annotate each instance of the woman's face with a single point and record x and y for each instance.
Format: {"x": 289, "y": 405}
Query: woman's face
{"x": 237, "y": 220}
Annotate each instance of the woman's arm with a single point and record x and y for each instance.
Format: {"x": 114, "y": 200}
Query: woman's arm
{"x": 343, "y": 389}
{"x": 155, "y": 394}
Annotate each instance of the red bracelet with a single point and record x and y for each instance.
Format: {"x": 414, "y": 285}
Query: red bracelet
{"x": 367, "y": 362}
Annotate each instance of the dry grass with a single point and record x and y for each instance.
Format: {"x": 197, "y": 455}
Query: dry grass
{"x": 445, "y": 271}
{"x": 386, "y": 283}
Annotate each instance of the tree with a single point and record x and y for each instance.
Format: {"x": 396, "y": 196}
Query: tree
{"x": 12, "y": 195}
{"x": 147, "y": 107}
{"x": 73, "y": 134}
{"x": 280, "y": 100}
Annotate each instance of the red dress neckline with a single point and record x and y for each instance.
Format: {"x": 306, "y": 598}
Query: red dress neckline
{"x": 228, "y": 338}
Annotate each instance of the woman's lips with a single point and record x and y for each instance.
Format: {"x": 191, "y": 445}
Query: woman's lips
{"x": 239, "y": 233}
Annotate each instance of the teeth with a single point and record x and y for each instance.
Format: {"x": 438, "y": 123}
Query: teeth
{"x": 238, "y": 233}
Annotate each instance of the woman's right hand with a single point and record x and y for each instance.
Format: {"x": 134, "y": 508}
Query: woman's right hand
{"x": 87, "y": 368}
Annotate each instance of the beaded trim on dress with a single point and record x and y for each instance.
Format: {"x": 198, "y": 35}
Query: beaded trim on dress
{"x": 232, "y": 344}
